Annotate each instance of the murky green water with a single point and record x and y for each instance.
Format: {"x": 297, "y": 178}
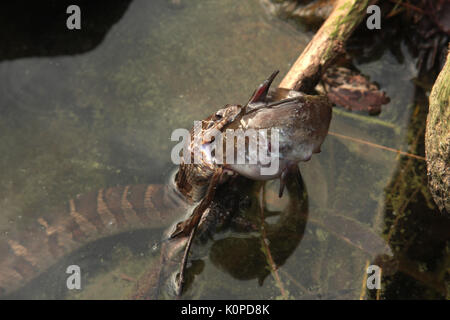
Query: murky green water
{"x": 72, "y": 124}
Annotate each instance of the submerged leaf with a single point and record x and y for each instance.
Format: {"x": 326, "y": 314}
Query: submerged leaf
{"x": 353, "y": 91}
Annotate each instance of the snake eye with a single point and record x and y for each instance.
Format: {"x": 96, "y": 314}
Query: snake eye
{"x": 219, "y": 115}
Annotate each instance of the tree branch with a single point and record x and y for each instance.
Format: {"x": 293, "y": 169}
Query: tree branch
{"x": 325, "y": 46}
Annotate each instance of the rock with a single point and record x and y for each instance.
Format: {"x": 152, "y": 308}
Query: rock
{"x": 437, "y": 140}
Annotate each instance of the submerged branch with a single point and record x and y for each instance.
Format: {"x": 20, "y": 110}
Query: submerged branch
{"x": 266, "y": 249}
{"x": 378, "y": 146}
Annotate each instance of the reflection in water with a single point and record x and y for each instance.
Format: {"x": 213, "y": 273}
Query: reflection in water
{"x": 40, "y": 27}
{"x": 413, "y": 226}
{"x": 245, "y": 257}
{"x": 418, "y": 233}
{"x": 242, "y": 216}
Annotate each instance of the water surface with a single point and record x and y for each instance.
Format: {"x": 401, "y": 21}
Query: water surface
{"x": 76, "y": 123}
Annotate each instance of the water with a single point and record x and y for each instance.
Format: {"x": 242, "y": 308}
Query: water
{"x": 103, "y": 116}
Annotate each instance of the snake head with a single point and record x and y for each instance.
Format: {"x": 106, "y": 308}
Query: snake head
{"x": 220, "y": 120}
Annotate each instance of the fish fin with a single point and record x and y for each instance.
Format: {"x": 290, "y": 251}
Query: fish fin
{"x": 260, "y": 93}
{"x": 283, "y": 178}
{"x": 295, "y": 170}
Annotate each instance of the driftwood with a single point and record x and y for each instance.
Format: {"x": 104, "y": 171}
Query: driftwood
{"x": 326, "y": 45}
{"x": 437, "y": 139}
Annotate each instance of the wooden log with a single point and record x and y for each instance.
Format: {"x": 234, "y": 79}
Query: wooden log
{"x": 327, "y": 43}
{"x": 437, "y": 139}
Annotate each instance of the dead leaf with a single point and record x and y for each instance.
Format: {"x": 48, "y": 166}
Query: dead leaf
{"x": 353, "y": 91}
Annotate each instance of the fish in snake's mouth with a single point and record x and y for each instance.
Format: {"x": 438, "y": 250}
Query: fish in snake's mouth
{"x": 288, "y": 131}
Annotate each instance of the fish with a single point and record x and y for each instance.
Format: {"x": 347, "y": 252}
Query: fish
{"x": 300, "y": 121}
